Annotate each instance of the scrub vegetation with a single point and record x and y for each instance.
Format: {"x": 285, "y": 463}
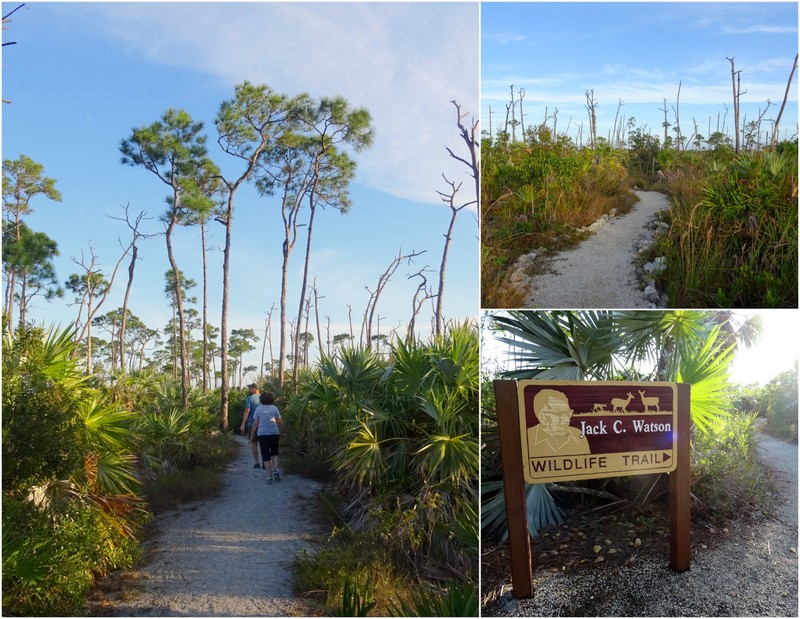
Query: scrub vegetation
{"x": 399, "y": 438}
{"x": 394, "y": 433}
{"x": 731, "y": 239}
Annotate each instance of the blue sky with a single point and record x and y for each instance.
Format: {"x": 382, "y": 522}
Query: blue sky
{"x": 81, "y": 76}
{"x": 638, "y": 52}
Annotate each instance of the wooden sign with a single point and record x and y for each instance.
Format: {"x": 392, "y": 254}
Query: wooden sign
{"x": 583, "y": 430}
{"x": 603, "y": 442}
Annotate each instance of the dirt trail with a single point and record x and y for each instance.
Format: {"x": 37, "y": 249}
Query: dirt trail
{"x": 230, "y": 555}
{"x": 600, "y": 273}
{"x": 781, "y": 457}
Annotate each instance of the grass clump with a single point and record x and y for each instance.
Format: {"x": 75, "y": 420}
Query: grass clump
{"x": 354, "y": 575}
{"x": 733, "y": 237}
{"x": 727, "y": 478}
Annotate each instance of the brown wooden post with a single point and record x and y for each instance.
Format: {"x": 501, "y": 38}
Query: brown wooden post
{"x": 680, "y": 482}
{"x": 519, "y": 541}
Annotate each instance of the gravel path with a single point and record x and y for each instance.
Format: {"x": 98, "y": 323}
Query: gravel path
{"x": 752, "y": 574}
{"x": 231, "y": 555}
{"x": 600, "y": 273}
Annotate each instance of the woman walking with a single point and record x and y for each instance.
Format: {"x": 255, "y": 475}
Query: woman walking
{"x": 268, "y": 427}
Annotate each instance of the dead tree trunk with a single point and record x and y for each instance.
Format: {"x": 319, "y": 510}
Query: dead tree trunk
{"x": 513, "y": 117}
{"x": 316, "y": 316}
{"x": 591, "y": 107}
{"x": 614, "y": 135}
{"x": 450, "y": 200}
{"x": 416, "y": 302}
{"x": 95, "y": 288}
{"x": 350, "y": 321}
{"x": 783, "y": 105}
{"x": 372, "y": 303}
{"x": 736, "y": 91}
{"x": 470, "y": 138}
{"x": 131, "y": 267}
{"x": 677, "y": 110}
{"x": 666, "y": 122}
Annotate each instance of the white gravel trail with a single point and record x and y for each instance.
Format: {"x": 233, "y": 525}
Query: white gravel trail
{"x": 600, "y": 273}
{"x": 230, "y": 555}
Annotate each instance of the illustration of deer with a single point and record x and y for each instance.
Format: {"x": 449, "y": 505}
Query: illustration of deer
{"x": 620, "y": 405}
{"x": 648, "y": 402}
{"x": 599, "y": 408}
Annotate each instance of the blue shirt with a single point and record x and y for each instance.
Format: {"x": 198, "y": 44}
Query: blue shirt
{"x": 252, "y": 403}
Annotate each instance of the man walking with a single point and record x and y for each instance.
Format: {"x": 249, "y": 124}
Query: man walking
{"x": 247, "y": 421}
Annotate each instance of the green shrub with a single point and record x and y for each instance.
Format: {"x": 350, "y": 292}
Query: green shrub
{"x": 778, "y": 400}
{"x": 41, "y": 439}
{"x": 51, "y": 560}
{"x": 727, "y": 478}
{"x": 401, "y": 439}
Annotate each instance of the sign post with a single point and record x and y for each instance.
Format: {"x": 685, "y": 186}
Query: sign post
{"x": 680, "y": 483}
{"x": 553, "y": 431}
{"x": 505, "y": 392}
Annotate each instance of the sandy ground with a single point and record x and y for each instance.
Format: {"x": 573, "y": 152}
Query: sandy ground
{"x": 754, "y": 574}
{"x": 231, "y": 555}
{"x": 599, "y": 273}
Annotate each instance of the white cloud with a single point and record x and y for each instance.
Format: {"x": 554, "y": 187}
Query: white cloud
{"x": 403, "y": 62}
{"x": 503, "y": 38}
{"x": 760, "y": 29}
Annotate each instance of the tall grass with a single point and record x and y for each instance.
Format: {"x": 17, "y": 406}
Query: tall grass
{"x": 733, "y": 235}
{"x": 537, "y": 195}
{"x": 727, "y": 478}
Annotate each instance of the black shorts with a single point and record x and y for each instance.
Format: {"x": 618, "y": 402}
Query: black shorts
{"x": 269, "y": 445}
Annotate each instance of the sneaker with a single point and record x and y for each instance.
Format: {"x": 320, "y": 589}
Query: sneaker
{"x": 269, "y": 479}
{"x": 256, "y": 466}
{"x": 277, "y": 475}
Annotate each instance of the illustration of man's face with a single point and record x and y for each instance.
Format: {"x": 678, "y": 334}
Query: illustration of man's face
{"x": 555, "y": 414}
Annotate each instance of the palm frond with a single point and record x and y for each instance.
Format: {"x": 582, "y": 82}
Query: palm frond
{"x": 542, "y": 509}
{"x": 707, "y": 370}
